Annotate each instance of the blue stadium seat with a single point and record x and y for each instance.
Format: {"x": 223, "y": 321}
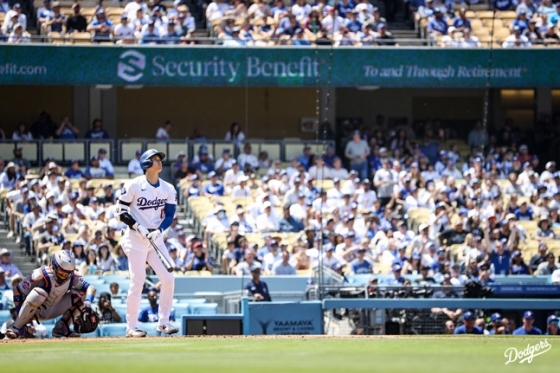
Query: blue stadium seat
{"x": 112, "y": 330}
{"x": 121, "y": 310}
{"x": 95, "y": 334}
{"x": 191, "y": 300}
{"x": 4, "y": 316}
{"x": 204, "y": 309}
{"x": 181, "y": 309}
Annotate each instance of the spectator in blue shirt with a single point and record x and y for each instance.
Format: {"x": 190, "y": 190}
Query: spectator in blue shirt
{"x": 66, "y": 130}
{"x": 305, "y": 158}
{"x": 150, "y": 34}
{"x": 170, "y": 36}
{"x": 74, "y": 171}
{"x": 504, "y": 4}
{"x": 344, "y": 7}
{"x": 462, "y": 22}
{"x": 100, "y": 26}
{"x": 329, "y": 156}
{"x": 151, "y": 312}
{"x": 200, "y": 259}
{"x": 204, "y": 164}
{"x": 397, "y": 279}
{"x": 97, "y": 132}
{"x": 279, "y": 8}
{"x": 556, "y": 16}
{"x": 215, "y": 187}
{"x": 437, "y": 25}
{"x": 527, "y": 328}
{"x": 256, "y": 288}
{"x": 43, "y": 14}
{"x": 518, "y": 266}
{"x": 552, "y": 325}
{"x": 500, "y": 258}
{"x": 361, "y": 265}
{"x": 94, "y": 171}
{"x": 524, "y": 212}
{"x": 352, "y": 23}
{"x": 288, "y": 223}
{"x": 521, "y": 21}
{"x": 468, "y": 326}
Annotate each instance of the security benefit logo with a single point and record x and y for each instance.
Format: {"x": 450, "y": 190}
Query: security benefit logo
{"x": 513, "y": 355}
{"x": 131, "y": 66}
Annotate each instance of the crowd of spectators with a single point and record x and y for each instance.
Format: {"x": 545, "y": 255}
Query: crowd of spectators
{"x": 532, "y": 23}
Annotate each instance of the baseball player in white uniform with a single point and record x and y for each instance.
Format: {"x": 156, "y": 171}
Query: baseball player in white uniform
{"x": 147, "y": 206}
{"x": 49, "y": 292}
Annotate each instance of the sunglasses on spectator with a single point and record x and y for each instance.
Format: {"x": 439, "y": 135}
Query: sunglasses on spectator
{"x": 554, "y": 322}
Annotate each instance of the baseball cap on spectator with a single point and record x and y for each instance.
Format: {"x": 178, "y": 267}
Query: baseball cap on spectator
{"x": 328, "y": 247}
{"x": 123, "y": 16}
{"x": 496, "y": 317}
{"x": 267, "y": 205}
{"x": 528, "y": 315}
{"x": 396, "y": 267}
{"x": 552, "y": 319}
{"x": 518, "y": 30}
{"x": 381, "y": 26}
{"x": 212, "y": 174}
{"x": 55, "y": 4}
{"x": 94, "y": 158}
{"x": 423, "y": 226}
{"x": 100, "y": 11}
{"x": 416, "y": 255}
{"x": 468, "y": 315}
{"x": 441, "y": 204}
{"x": 516, "y": 253}
{"x": 16, "y": 6}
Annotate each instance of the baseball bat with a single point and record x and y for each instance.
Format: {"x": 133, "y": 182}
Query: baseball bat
{"x": 163, "y": 258}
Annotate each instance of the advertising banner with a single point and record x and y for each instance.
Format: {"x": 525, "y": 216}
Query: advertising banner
{"x": 215, "y": 66}
{"x": 268, "y": 318}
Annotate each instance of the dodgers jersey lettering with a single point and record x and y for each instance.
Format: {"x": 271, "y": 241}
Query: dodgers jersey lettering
{"x": 148, "y": 201}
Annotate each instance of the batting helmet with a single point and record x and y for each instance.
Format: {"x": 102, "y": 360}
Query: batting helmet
{"x": 63, "y": 264}
{"x": 146, "y": 158}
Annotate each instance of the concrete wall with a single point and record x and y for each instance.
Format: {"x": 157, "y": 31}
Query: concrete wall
{"x": 460, "y": 104}
{"x": 24, "y": 103}
{"x": 272, "y": 112}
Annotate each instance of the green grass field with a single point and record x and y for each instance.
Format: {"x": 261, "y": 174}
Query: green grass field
{"x": 259, "y": 355}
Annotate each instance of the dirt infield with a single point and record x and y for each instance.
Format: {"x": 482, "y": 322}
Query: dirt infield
{"x": 341, "y": 337}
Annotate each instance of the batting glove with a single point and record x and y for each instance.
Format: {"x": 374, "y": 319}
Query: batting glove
{"x": 144, "y": 232}
{"x": 153, "y": 235}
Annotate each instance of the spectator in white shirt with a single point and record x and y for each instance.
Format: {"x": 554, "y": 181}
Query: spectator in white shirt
{"x": 134, "y": 167}
{"x": 246, "y": 160}
{"x": 235, "y": 135}
{"x": 319, "y": 171}
{"x": 233, "y": 176}
{"x": 301, "y": 10}
{"x": 299, "y": 209}
{"x": 516, "y": 40}
{"x": 131, "y": 9}
{"x": 21, "y": 18}
{"x": 273, "y": 256}
{"x": 283, "y": 267}
{"x": 246, "y": 222}
{"x": 267, "y": 221}
{"x": 335, "y": 193}
{"x": 216, "y": 9}
{"x": 366, "y": 196}
{"x": 225, "y": 162}
{"x": 332, "y": 23}
{"x": 218, "y": 222}
{"x": 104, "y": 162}
{"x": 242, "y": 190}
{"x": 124, "y": 32}
{"x": 385, "y": 180}
{"x": 163, "y": 132}
{"x": 338, "y": 172}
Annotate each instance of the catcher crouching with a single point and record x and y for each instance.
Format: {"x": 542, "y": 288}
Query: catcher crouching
{"x": 52, "y": 291}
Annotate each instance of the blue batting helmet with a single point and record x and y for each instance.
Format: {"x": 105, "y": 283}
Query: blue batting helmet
{"x": 146, "y": 158}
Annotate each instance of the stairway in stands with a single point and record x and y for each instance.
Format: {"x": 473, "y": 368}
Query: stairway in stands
{"x": 400, "y": 27}
{"x": 24, "y": 263}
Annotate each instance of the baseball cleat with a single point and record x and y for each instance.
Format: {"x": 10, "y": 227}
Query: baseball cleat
{"x": 167, "y": 329}
{"x": 135, "y": 332}
{"x": 13, "y": 333}
{"x": 61, "y": 330}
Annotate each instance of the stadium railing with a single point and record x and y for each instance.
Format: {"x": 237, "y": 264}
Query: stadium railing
{"x": 120, "y": 152}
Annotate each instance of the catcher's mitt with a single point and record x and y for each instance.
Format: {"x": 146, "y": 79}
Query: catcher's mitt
{"x": 87, "y": 321}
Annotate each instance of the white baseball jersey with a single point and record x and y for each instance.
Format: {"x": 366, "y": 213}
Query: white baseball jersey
{"x": 147, "y": 201}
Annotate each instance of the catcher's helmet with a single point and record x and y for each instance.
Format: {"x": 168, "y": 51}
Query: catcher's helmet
{"x": 146, "y": 158}
{"x": 63, "y": 264}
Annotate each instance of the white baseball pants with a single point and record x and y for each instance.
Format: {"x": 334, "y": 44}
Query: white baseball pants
{"x": 139, "y": 251}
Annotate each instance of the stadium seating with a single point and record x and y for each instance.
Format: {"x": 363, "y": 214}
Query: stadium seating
{"x": 204, "y": 309}
{"x": 4, "y": 316}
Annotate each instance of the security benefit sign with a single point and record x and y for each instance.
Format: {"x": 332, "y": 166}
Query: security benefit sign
{"x": 285, "y": 318}
{"x": 216, "y": 66}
